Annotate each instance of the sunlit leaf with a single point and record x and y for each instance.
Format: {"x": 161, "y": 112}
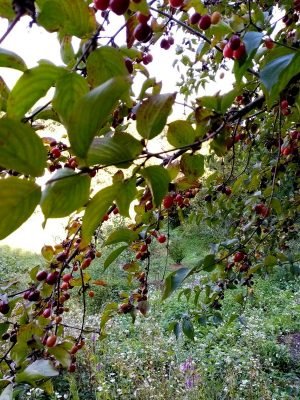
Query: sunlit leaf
{"x": 121, "y": 235}
{"x": 9, "y": 59}
{"x": 180, "y": 133}
{"x": 17, "y": 202}
{"x": 38, "y": 369}
{"x": 21, "y": 149}
{"x": 65, "y": 193}
{"x": 158, "y": 179}
{"x": 192, "y": 165}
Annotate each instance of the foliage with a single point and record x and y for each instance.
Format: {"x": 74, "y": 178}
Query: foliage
{"x": 236, "y": 152}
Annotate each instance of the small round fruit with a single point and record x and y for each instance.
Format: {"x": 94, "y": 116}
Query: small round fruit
{"x": 55, "y": 152}
{"x": 74, "y": 349}
{"x": 143, "y": 33}
{"x": 269, "y": 43}
{"x": 234, "y": 42}
{"x": 195, "y": 18}
{"x": 34, "y": 295}
{"x": 164, "y": 44}
{"x": 41, "y": 276}
{"x": 119, "y": 7}
{"x": 216, "y": 17}
{"x": 52, "y": 278}
{"x": 205, "y": 22}
{"x": 147, "y": 58}
{"x": 138, "y": 255}
{"x": 161, "y": 238}
{"x": 240, "y": 52}
{"x": 227, "y": 51}
{"x": 47, "y": 313}
{"x": 64, "y": 286}
{"x": 239, "y": 256}
{"x": 72, "y": 368}
{"x": 168, "y": 201}
{"x": 176, "y": 3}
{"x": 143, "y": 248}
{"x": 101, "y": 4}
{"x": 67, "y": 277}
{"x": 284, "y": 104}
{"x": 86, "y": 263}
{"x": 91, "y": 294}
{"x": 142, "y": 18}
{"x": 51, "y": 341}
{"x": 4, "y": 307}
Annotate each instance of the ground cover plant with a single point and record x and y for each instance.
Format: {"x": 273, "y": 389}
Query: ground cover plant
{"x": 228, "y": 163}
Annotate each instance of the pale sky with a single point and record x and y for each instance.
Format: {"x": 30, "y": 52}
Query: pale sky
{"x": 33, "y": 44}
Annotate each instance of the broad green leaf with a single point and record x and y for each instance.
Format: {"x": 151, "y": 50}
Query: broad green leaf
{"x": 39, "y": 369}
{"x": 4, "y": 93}
{"x": 9, "y": 59}
{"x": 32, "y": 85}
{"x": 103, "y": 64}
{"x": 192, "y": 165}
{"x": 209, "y": 263}
{"x": 108, "y": 312}
{"x": 121, "y": 150}
{"x": 3, "y": 327}
{"x": 17, "y": 202}
{"x": 64, "y": 193}
{"x": 61, "y": 353}
{"x": 95, "y": 211}
{"x": 70, "y": 17}
{"x": 92, "y": 111}
{"x": 21, "y": 149}
{"x": 188, "y": 328}
{"x": 66, "y": 49}
{"x": 6, "y": 10}
{"x": 158, "y": 179}
{"x": 252, "y": 41}
{"x": 69, "y": 89}
{"x": 270, "y": 261}
{"x": 125, "y": 195}
{"x": 152, "y": 114}
{"x": 174, "y": 280}
{"x": 276, "y": 74}
{"x": 180, "y": 133}
{"x": 113, "y": 256}
{"x": 276, "y": 205}
{"x": 7, "y": 393}
{"x": 219, "y": 103}
{"x": 121, "y": 235}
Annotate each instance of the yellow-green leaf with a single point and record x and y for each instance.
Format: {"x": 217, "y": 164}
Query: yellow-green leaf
{"x": 9, "y": 59}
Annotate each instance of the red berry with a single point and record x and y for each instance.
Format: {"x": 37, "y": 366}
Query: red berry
{"x": 164, "y": 44}
{"x": 148, "y": 240}
{"x": 86, "y": 263}
{"x": 234, "y": 42}
{"x": 51, "y": 341}
{"x": 179, "y": 199}
{"x": 239, "y": 256}
{"x": 101, "y": 4}
{"x": 227, "y": 51}
{"x": 67, "y": 277}
{"x": 47, "y": 313}
{"x": 143, "y": 33}
{"x": 147, "y": 58}
{"x": 72, "y": 368}
{"x": 171, "y": 40}
{"x": 287, "y": 150}
{"x": 116, "y": 211}
{"x": 161, "y": 238}
{"x": 142, "y": 18}
{"x": 258, "y": 208}
{"x": 55, "y": 152}
{"x": 176, "y": 3}
{"x": 195, "y": 18}
{"x": 34, "y": 295}
{"x": 91, "y": 293}
{"x": 143, "y": 248}
{"x": 74, "y": 349}
{"x": 205, "y": 22}
{"x": 41, "y": 276}
{"x": 284, "y": 104}
{"x": 4, "y": 307}
{"x": 269, "y": 43}
{"x": 168, "y": 201}
{"x": 119, "y": 7}
{"x": 52, "y": 278}
{"x": 240, "y": 52}
{"x": 64, "y": 286}
{"x": 216, "y": 17}
{"x": 138, "y": 255}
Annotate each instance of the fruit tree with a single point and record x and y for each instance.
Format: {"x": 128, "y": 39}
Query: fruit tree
{"x": 235, "y": 153}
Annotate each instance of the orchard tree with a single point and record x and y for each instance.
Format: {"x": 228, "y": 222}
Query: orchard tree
{"x": 246, "y": 180}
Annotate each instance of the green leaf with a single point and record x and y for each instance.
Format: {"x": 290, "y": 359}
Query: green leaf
{"x": 64, "y": 193}
{"x": 92, "y": 111}
{"x": 209, "y": 263}
{"x": 277, "y": 73}
{"x": 66, "y": 49}
{"x": 61, "y": 353}
{"x": 252, "y": 41}
{"x": 103, "y": 64}
{"x": 4, "y": 93}
{"x": 21, "y": 149}
{"x": 69, "y": 89}
{"x": 39, "y": 369}
{"x": 174, "y": 280}
{"x": 219, "y": 103}
{"x": 32, "y": 85}
{"x": 95, "y": 211}
{"x": 125, "y": 195}
{"x": 158, "y": 179}
{"x": 3, "y": 327}
{"x": 108, "y": 312}
{"x": 121, "y": 235}
{"x": 113, "y": 256}
{"x": 120, "y": 150}
{"x": 152, "y": 114}
{"x": 270, "y": 261}
{"x": 188, "y": 328}
{"x": 180, "y": 133}
{"x": 9, "y": 59}
{"x": 71, "y": 17}
{"x": 192, "y": 165}
{"x": 6, "y": 10}
{"x": 17, "y": 202}
{"x": 276, "y": 205}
